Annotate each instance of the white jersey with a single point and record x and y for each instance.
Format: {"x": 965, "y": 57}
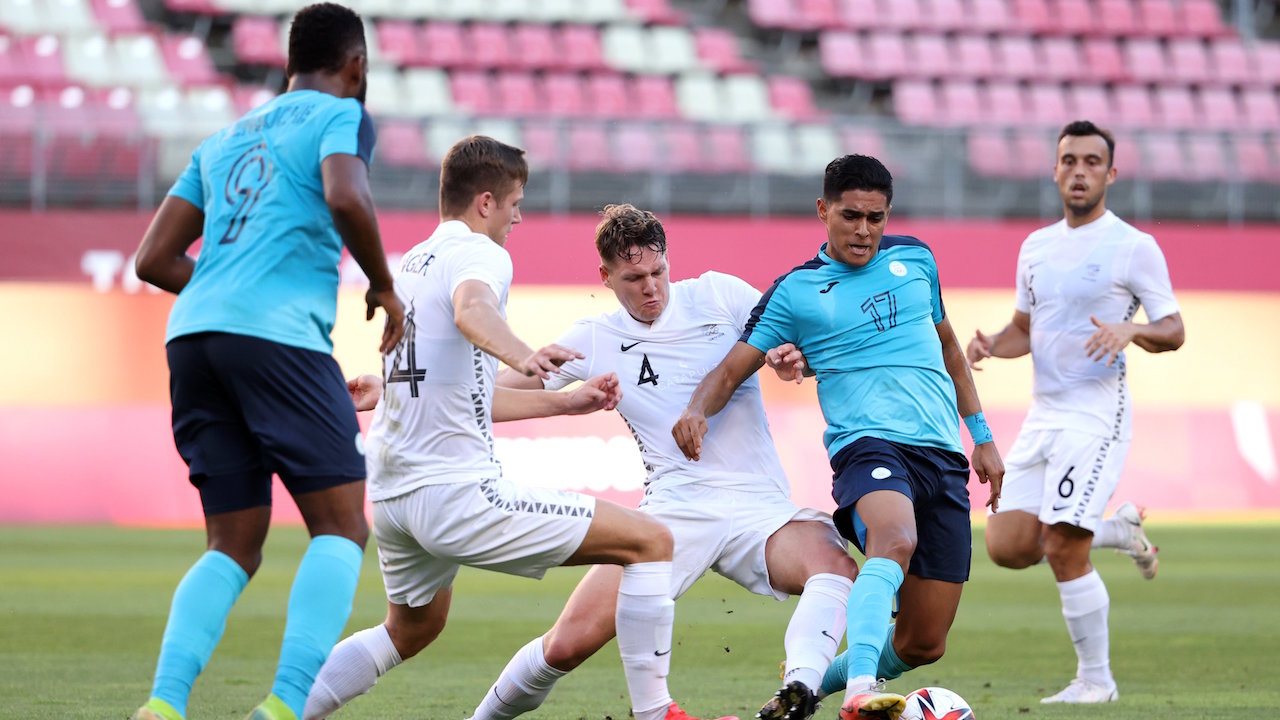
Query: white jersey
{"x": 1105, "y": 269}
{"x": 660, "y": 365}
{"x": 435, "y": 422}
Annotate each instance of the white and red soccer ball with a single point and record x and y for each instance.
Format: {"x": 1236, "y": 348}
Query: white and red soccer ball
{"x": 935, "y": 703}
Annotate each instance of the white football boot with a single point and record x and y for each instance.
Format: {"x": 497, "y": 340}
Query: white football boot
{"x": 1140, "y": 548}
{"x": 1083, "y": 691}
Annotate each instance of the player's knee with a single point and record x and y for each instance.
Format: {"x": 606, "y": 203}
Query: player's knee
{"x": 897, "y": 544}
{"x": 1014, "y": 557}
{"x": 836, "y": 562}
{"x": 656, "y": 543}
{"x": 412, "y": 638}
{"x": 567, "y": 650}
{"x": 922, "y": 652}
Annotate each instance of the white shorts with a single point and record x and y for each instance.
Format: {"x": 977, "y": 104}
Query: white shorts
{"x": 425, "y": 535}
{"x": 1063, "y": 476}
{"x": 725, "y": 530}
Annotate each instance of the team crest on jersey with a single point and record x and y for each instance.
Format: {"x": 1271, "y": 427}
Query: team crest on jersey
{"x": 1091, "y": 271}
{"x": 897, "y": 268}
{"x": 711, "y": 332}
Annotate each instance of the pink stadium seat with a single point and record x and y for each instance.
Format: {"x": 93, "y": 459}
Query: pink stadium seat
{"x": 41, "y": 58}
{"x": 727, "y": 149}
{"x": 1163, "y": 158}
{"x": 930, "y": 56}
{"x": 1005, "y": 103}
{"x": 535, "y": 47}
{"x": 946, "y": 15}
{"x": 1074, "y": 17}
{"x": 1175, "y": 108}
{"x": 401, "y": 144}
{"x": 256, "y": 41}
{"x": 903, "y": 15}
{"x": 1128, "y": 156}
{"x": 542, "y": 144}
{"x": 607, "y": 95}
{"x": 916, "y": 103}
{"x": 1061, "y": 59}
{"x": 1231, "y": 63}
{"x": 564, "y": 95}
{"x": 841, "y": 55}
{"x": 961, "y": 103}
{"x": 1218, "y": 109}
{"x": 590, "y": 147}
{"x": 441, "y": 44}
{"x": 488, "y": 44}
{"x": 398, "y": 42}
{"x": 862, "y": 140}
{"x": 1266, "y": 62}
{"x": 580, "y": 47}
{"x": 1103, "y": 58}
{"x": 1048, "y": 105}
{"x": 1145, "y": 60}
{"x": 1117, "y": 18}
{"x": 792, "y": 97}
{"x": 1189, "y": 61}
{"x": 1260, "y": 108}
{"x": 1090, "y": 102}
{"x": 1033, "y": 16}
{"x": 992, "y": 16}
{"x": 117, "y": 16}
{"x": 1133, "y": 106}
{"x": 187, "y": 60}
{"x": 680, "y": 148}
{"x": 1253, "y": 159}
{"x": 636, "y": 148}
{"x": 778, "y": 14}
{"x": 974, "y": 57}
{"x": 1016, "y": 57}
{"x": 657, "y": 12}
{"x": 860, "y": 14}
{"x": 653, "y": 96}
{"x": 718, "y": 50}
{"x": 247, "y": 97}
{"x": 471, "y": 91}
{"x": 1201, "y": 18}
{"x": 1034, "y": 153}
{"x": 516, "y": 94}
{"x": 13, "y": 70}
{"x": 817, "y": 14}
{"x": 1158, "y": 18}
{"x": 199, "y": 7}
{"x": 989, "y": 154}
{"x": 888, "y": 53}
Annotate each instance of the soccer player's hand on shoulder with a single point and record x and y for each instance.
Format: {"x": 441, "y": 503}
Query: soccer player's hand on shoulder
{"x": 601, "y": 392}
{"x": 989, "y": 468}
{"x": 393, "y": 329}
{"x": 366, "y": 391}
{"x": 688, "y": 432}
{"x": 548, "y": 360}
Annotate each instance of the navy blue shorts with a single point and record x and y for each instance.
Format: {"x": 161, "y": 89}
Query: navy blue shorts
{"x": 933, "y": 478}
{"x": 244, "y": 408}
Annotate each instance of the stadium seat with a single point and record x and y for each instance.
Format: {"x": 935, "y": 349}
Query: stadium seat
{"x": 607, "y": 95}
{"x": 401, "y": 144}
{"x": 17, "y": 131}
{"x": 841, "y": 55}
{"x": 590, "y": 147}
{"x": 1048, "y": 106}
{"x": 863, "y": 140}
{"x": 441, "y": 44}
{"x": 1260, "y": 109}
{"x": 1006, "y": 104}
{"x": 542, "y": 144}
{"x": 1145, "y": 61}
{"x": 247, "y": 97}
{"x": 600, "y": 11}
{"x": 1034, "y": 16}
{"x": 13, "y": 69}
{"x": 23, "y": 17}
{"x": 1117, "y": 18}
{"x": 488, "y": 46}
{"x": 426, "y": 92}
{"x": 563, "y": 94}
{"x": 1188, "y": 60}
{"x": 1218, "y": 109}
{"x": 442, "y": 133}
{"x": 1201, "y": 18}
{"x": 915, "y": 102}
{"x": 1128, "y": 157}
{"x": 1091, "y": 102}
{"x": 860, "y": 14}
{"x": 817, "y": 14}
{"x": 1231, "y": 63}
{"x": 1034, "y": 153}
{"x": 1175, "y": 108}
{"x": 187, "y": 60}
{"x": 117, "y": 16}
{"x": 815, "y": 146}
{"x": 1073, "y": 17}
{"x": 70, "y": 17}
{"x": 1253, "y": 159}
{"x": 947, "y": 15}
{"x": 1061, "y": 59}
{"x": 198, "y": 7}
{"x": 774, "y": 14}
{"x": 792, "y": 97}
{"x": 141, "y": 62}
{"x": 727, "y": 149}
{"x": 772, "y": 150}
{"x": 1016, "y": 57}
{"x": 1104, "y": 60}
{"x": 671, "y": 50}
{"x": 91, "y": 60}
{"x": 745, "y": 98}
{"x": 626, "y": 48}
{"x": 653, "y": 96}
{"x": 681, "y": 148}
{"x": 535, "y": 47}
{"x": 698, "y": 97}
{"x": 472, "y": 91}
{"x": 717, "y": 50}
{"x": 385, "y": 95}
{"x": 930, "y": 56}
{"x": 500, "y": 129}
{"x": 1157, "y": 18}
{"x": 1205, "y": 157}
{"x": 256, "y": 41}
{"x": 988, "y": 153}
{"x": 992, "y": 16}
{"x": 1133, "y": 106}
{"x": 974, "y": 58}
{"x": 888, "y": 54}
{"x": 1266, "y": 62}
{"x": 580, "y": 47}
{"x": 903, "y": 15}
{"x": 398, "y": 43}
{"x": 516, "y": 94}
{"x": 1162, "y": 157}
{"x": 635, "y": 148}
{"x": 658, "y": 12}
{"x": 961, "y": 105}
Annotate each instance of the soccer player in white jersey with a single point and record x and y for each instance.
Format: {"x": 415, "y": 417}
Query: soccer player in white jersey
{"x": 439, "y": 497}
{"x": 731, "y": 512}
{"x": 1079, "y": 283}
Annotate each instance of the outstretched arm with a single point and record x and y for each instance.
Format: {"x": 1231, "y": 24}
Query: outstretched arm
{"x": 1011, "y": 342}
{"x": 478, "y": 318}
{"x": 1109, "y": 339}
{"x": 712, "y": 394}
{"x": 599, "y": 393}
{"x": 986, "y": 461}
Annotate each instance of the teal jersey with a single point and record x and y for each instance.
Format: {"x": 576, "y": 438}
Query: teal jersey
{"x": 869, "y": 333}
{"x": 268, "y": 265}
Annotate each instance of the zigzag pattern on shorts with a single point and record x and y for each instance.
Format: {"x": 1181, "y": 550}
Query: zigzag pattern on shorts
{"x": 490, "y": 491}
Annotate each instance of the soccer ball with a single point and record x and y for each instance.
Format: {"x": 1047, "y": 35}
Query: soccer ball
{"x": 935, "y": 703}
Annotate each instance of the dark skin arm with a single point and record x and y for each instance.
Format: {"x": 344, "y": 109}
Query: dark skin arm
{"x": 162, "y": 258}
{"x": 986, "y": 461}
{"x": 712, "y": 394}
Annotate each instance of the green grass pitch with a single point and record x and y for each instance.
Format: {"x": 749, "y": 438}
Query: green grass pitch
{"x": 82, "y": 610}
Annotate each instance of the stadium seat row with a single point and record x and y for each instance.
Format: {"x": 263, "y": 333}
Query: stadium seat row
{"x": 882, "y": 56}
{"x": 1113, "y": 18}
{"x": 577, "y": 11}
{"x": 963, "y": 103}
{"x": 70, "y": 17}
{"x": 134, "y": 59}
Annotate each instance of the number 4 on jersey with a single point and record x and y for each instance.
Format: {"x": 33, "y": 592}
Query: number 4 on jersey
{"x": 647, "y": 375}
{"x": 408, "y": 351}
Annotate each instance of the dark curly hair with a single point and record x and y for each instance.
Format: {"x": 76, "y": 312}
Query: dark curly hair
{"x": 625, "y": 231}
{"x": 322, "y": 37}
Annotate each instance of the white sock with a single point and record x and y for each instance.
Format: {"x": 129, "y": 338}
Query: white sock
{"x": 524, "y": 684}
{"x": 353, "y": 667}
{"x": 644, "y": 619}
{"x": 1113, "y": 533}
{"x": 859, "y": 684}
{"x": 816, "y": 627}
{"x": 1085, "y": 604}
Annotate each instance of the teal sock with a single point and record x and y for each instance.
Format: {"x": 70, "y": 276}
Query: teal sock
{"x": 319, "y": 606}
{"x": 891, "y": 666}
{"x": 870, "y": 608}
{"x": 836, "y": 676}
{"x": 197, "y": 617}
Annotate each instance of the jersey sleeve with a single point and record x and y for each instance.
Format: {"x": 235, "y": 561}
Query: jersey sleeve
{"x": 350, "y": 132}
{"x": 581, "y": 337}
{"x": 935, "y": 291}
{"x": 733, "y": 295}
{"x": 771, "y": 321}
{"x": 190, "y": 185}
{"x": 1022, "y": 284}
{"x": 1148, "y": 279}
{"x": 483, "y": 261}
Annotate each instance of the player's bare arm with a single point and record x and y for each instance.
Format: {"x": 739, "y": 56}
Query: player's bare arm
{"x": 986, "y": 461}
{"x": 599, "y": 393}
{"x": 162, "y": 258}
{"x": 1109, "y": 339}
{"x": 1011, "y": 342}
{"x": 510, "y": 378}
{"x": 478, "y": 317}
{"x": 712, "y": 394}
{"x": 346, "y": 192}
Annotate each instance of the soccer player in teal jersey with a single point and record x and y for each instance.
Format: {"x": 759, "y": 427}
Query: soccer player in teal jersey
{"x": 254, "y": 386}
{"x": 867, "y": 313}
